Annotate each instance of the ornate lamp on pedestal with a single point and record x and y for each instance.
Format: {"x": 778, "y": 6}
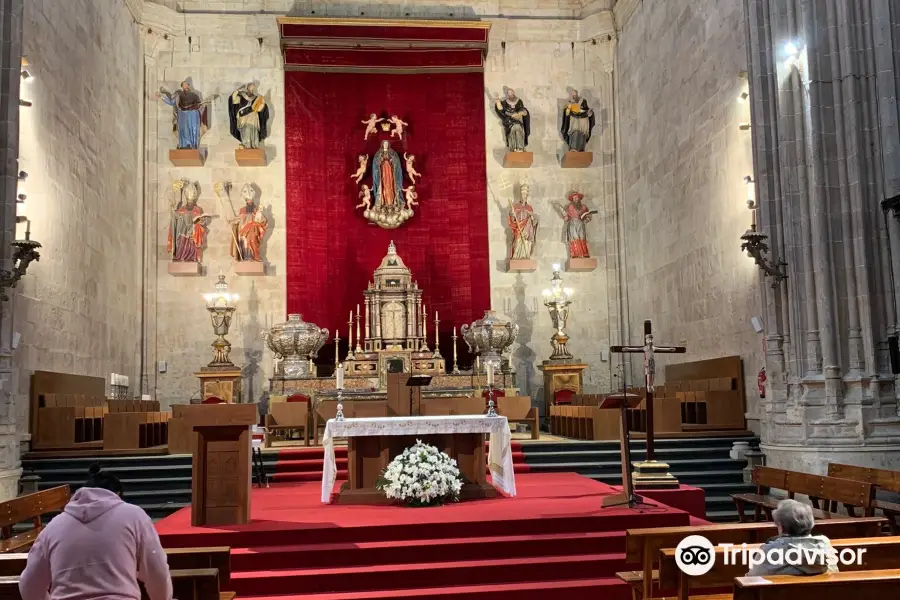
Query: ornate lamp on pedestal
{"x": 557, "y": 300}
{"x": 221, "y": 378}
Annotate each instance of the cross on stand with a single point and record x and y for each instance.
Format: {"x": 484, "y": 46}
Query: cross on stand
{"x": 648, "y": 350}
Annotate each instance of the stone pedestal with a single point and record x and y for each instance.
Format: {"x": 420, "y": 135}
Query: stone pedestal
{"x": 653, "y": 475}
{"x": 221, "y": 383}
{"x": 521, "y": 265}
{"x": 250, "y": 157}
{"x": 249, "y": 267}
{"x": 184, "y": 268}
{"x": 581, "y": 265}
{"x": 577, "y": 160}
{"x": 186, "y": 157}
{"x": 518, "y": 160}
{"x": 561, "y": 375}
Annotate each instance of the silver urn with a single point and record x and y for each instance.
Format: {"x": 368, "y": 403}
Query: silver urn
{"x": 489, "y": 337}
{"x": 295, "y": 342}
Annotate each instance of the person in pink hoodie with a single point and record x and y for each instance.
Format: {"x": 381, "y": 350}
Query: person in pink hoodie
{"x": 98, "y": 547}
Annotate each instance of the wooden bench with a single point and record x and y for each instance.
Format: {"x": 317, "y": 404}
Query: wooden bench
{"x": 882, "y": 479}
{"x": 825, "y": 493}
{"x": 188, "y": 584}
{"x": 880, "y": 553}
{"x": 287, "y": 416}
{"x": 642, "y": 546}
{"x": 860, "y": 585}
{"x": 29, "y": 507}
{"x": 518, "y": 409}
{"x": 182, "y": 562}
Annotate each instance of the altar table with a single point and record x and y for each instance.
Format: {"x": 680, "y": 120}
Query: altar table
{"x": 373, "y": 443}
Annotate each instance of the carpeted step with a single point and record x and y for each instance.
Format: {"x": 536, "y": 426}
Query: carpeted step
{"x": 413, "y": 575}
{"x": 428, "y": 550}
{"x": 607, "y": 588}
{"x": 294, "y": 477}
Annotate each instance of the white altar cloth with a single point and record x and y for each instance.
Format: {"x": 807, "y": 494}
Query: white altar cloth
{"x": 500, "y": 460}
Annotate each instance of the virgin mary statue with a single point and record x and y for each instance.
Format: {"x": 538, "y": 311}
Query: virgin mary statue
{"x": 387, "y": 177}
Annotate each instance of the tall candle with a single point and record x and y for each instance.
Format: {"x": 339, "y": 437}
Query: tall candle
{"x": 490, "y": 374}
{"x": 340, "y": 376}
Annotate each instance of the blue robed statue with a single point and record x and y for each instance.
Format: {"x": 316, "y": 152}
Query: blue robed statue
{"x": 190, "y": 114}
{"x": 387, "y": 177}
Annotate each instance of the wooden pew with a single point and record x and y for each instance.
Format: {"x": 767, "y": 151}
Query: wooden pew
{"x": 190, "y": 584}
{"x": 880, "y": 553}
{"x": 642, "y": 546}
{"x": 181, "y": 561}
{"x": 287, "y": 416}
{"x": 882, "y": 479}
{"x": 29, "y": 507}
{"x": 861, "y": 585}
{"x": 130, "y": 430}
{"x": 832, "y": 490}
{"x": 518, "y": 409}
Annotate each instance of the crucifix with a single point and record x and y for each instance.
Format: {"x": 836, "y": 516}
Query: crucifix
{"x": 648, "y": 350}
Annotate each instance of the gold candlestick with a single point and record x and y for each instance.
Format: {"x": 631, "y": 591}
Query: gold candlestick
{"x": 367, "y": 326}
{"x": 455, "y": 357}
{"x": 424, "y": 347}
{"x": 437, "y": 349}
{"x": 337, "y": 351}
{"x": 350, "y": 355}
{"x": 358, "y": 347}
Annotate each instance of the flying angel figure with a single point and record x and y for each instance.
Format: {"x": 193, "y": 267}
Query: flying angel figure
{"x": 370, "y": 125}
{"x": 398, "y": 126}
{"x": 366, "y": 195}
{"x": 361, "y": 171}
{"x": 411, "y": 195}
{"x": 410, "y": 169}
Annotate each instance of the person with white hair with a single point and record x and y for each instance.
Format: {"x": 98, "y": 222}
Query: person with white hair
{"x": 809, "y": 554}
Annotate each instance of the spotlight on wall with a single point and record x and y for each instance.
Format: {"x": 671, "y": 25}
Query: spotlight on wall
{"x": 25, "y": 103}
{"x": 27, "y": 77}
{"x": 21, "y": 198}
{"x": 23, "y": 175}
{"x": 743, "y": 97}
{"x": 744, "y": 126}
{"x": 791, "y": 50}
{"x": 751, "y": 192}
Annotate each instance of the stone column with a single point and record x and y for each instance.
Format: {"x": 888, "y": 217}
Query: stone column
{"x": 824, "y": 128}
{"x": 11, "y": 15}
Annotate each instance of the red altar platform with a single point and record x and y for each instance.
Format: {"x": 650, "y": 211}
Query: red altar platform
{"x": 691, "y": 500}
{"x": 553, "y": 538}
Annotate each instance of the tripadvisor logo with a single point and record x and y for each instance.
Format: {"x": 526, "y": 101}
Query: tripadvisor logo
{"x": 695, "y": 555}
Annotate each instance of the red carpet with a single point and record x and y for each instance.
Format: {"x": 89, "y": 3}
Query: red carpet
{"x": 553, "y": 538}
{"x": 299, "y": 464}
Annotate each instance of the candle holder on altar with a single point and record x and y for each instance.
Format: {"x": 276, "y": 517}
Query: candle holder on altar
{"x": 221, "y": 305}
{"x": 557, "y": 300}
{"x": 339, "y": 385}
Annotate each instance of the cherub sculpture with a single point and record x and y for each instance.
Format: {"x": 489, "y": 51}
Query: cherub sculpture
{"x": 410, "y": 169}
{"x": 410, "y": 195}
{"x": 398, "y": 126}
{"x": 370, "y": 125}
{"x": 366, "y": 195}
{"x": 361, "y": 171}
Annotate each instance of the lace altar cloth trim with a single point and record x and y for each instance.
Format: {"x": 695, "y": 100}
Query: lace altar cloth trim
{"x": 499, "y": 455}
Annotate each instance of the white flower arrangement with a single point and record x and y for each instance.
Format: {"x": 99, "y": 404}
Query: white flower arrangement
{"x": 421, "y": 476}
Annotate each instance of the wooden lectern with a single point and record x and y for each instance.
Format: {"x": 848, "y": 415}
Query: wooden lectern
{"x": 220, "y": 444}
{"x": 623, "y": 402}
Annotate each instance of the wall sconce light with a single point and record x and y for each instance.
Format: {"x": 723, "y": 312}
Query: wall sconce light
{"x": 24, "y": 252}
{"x": 892, "y": 204}
{"x": 27, "y": 77}
{"x": 753, "y": 242}
{"x": 743, "y": 97}
{"x": 744, "y": 126}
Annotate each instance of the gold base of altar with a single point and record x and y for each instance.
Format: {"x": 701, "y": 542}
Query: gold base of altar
{"x": 220, "y": 383}
{"x": 362, "y": 388}
{"x": 561, "y": 375}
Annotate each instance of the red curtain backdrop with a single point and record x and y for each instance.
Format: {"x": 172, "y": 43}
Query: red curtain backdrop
{"x": 331, "y": 249}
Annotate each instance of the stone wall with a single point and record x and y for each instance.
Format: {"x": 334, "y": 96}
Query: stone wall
{"x": 540, "y": 58}
{"x": 683, "y": 160}
{"x": 78, "y": 310}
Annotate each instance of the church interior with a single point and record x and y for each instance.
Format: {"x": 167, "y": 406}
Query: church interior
{"x": 631, "y": 267}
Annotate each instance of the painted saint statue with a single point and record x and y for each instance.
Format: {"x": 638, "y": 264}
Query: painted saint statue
{"x": 187, "y": 230}
{"x": 249, "y": 116}
{"x": 248, "y": 229}
{"x": 576, "y": 214}
{"x": 516, "y": 121}
{"x": 524, "y": 224}
{"x": 387, "y": 177}
{"x": 578, "y": 121}
{"x": 190, "y": 119}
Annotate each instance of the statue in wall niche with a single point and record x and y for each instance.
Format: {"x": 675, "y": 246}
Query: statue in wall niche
{"x": 249, "y": 116}
{"x": 187, "y": 230}
{"x": 578, "y": 122}
{"x": 191, "y": 114}
{"x": 516, "y": 120}
{"x": 524, "y": 224}
{"x": 576, "y": 215}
